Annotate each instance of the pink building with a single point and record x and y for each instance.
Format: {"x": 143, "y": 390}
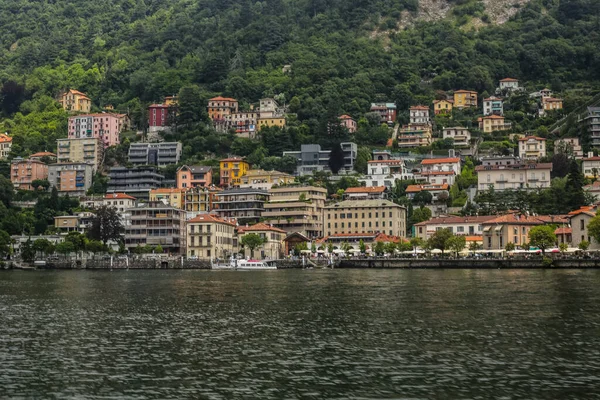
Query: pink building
{"x": 107, "y": 127}
{"x": 348, "y": 122}
{"x": 23, "y": 172}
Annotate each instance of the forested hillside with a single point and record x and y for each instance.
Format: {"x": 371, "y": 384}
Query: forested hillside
{"x": 129, "y": 53}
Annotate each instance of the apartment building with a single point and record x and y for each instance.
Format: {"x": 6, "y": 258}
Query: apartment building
{"x": 460, "y": 135}
{"x": 161, "y": 115}
{"x": 419, "y": 115}
{"x": 509, "y": 85}
{"x": 296, "y": 209}
{"x": 465, "y": 98}
{"x": 365, "y": 216}
{"x": 366, "y": 193}
{"x": 231, "y": 171}
{"x": 349, "y": 123}
{"x": 493, "y": 123}
{"x": 493, "y": 106}
{"x": 246, "y": 205}
{"x": 532, "y": 148}
{"x": 579, "y": 220}
{"x": 590, "y": 166}
{"x": 120, "y": 201}
{"x": 73, "y": 179}
{"x": 312, "y": 158}
{"x": 5, "y": 146}
{"x": 197, "y": 200}
{"x": 74, "y": 100}
{"x": 570, "y": 144}
{"x": 160, "y": 154}
{"x": 514, "y": 176}
{"x": 219, "y": 107}
{"x": 261, "y": 179}
{"x": 272, "y": 248}
{"x": 210, "y": 237}
{"x": 385, "y": 173}
{"x": 550, "y": 104}
{"x": 436, "y": 189}
{"x": 440, "y": 170}
{"x": 135, "y": 181}
{"x": 466, "y": 226}
{"x": 414, "y": 136}
{"x": 82, "y": 150}
{"x": 189, "y": 176}
{"x": 23, "y": 172}
{"x": 156, "y": 223}
{"x": 591, "y": 123}
{"x": 514, "y": 228}
{"x": 104, "y": 126}
{"x": 387, "y": 112}
{"x": 244, "y": 123}
{"x": 171, "y": 196}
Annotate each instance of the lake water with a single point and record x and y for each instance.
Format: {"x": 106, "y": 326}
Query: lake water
{"x": 313, "y": 334}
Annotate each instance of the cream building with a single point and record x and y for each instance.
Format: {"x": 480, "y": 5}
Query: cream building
{"x": 197, "y": 201}
{"x": 461, "y": 136}
{"x": 173, "y": 197}
{"x": 514, "y": 228}
{"x": 209, "y": 237}
{"x": 466, "y": 226}
{"x": 579, "y": 220}
{"x": 591, "y": 166}
{"x": 296, "y": 209}
{"x": 493, "y": 123}
{"x": 261, "y": 179}
{"x": 570, "y": 143}
{"x": 532, "y": 148}
{"x": 365, "y": 216}
{"x": 5, "y": 146}
{"x": 516, "y": 176}
{"x": 272, "y": 248}
{"x": 82, "y": 150}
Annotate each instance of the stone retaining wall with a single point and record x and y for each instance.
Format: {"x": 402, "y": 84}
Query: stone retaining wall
{"x": 468, "y": 263}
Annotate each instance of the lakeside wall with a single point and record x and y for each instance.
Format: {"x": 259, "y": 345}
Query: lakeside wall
{"x": 467, "y": 263}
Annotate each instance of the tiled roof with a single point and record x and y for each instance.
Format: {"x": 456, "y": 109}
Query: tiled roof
{"x": 450, "y": 220}
{"x": 209, "y": 218}
{"x": 166, "y": 190}
{"x": 527, "y": 219}
{"x": 589, "y": 210}
{"x": 5, "y": 138}
{"x": 474, "y": 238}
{"x": 429, "y": 187}
{"x": 353, "y": 235}
{"x": 118, "y": 196}
{"x": 345, "y": 116}
{"x": 563, "y": 231}
{"x": 232, "y": 159}
{"x": 367, "y": 189}
{"x": 382, "y": 237}
{"x": 426, "y": 173}
{"x": 492, "y": 98}
{"x": 219, "y": 98}
{"x": 386, "y": 162}
{"x": 551, "y": 100}
{"x": 446, "y": 100}
{"x": 429, "y": 161}
{"x": 362, "y": 203}
{"x": 419, "y": 108}
{"x": 597, "y": 158}
{"x": 43, "y": 154}
{"x": 526, "y": 138}
{"x": 158, "y": 106}
{"x": 465, "y": 91}
{"x": 494, "y": 116}
{"x": 260, "y": 227}
{"x": 509, "y": 80}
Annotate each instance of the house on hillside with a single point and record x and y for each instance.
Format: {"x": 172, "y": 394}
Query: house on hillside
{"x": 442, "y": 107}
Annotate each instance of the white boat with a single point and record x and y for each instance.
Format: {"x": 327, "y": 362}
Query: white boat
{"x": 243, "y": 265}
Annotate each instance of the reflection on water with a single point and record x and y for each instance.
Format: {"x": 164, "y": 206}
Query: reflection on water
{"x": 456, "y": 334}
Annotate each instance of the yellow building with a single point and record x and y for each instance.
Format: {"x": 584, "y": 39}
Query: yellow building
{"x": 261, "y": 179}
{"x": 465, "y": 98}
{"x": 231, "y": 171}
{"x": 209, "y": 237}
{"x": 197, "y": 199}
{"x": 493, "y": 123}
{"x": 74, "y": 100}
{"x": 268, "y": 122}
{"x": 272, "y": 248}
{"x": 551, "y": 104}
{"x": 442, "y": 107}
{"x": 173, "y": 197}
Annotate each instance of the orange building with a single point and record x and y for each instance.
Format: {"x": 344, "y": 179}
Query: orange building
{"x": 5, "y": 145}
{"x": 219, "y": 107}
{"x": 74, "y": 100}
{"x": 193, "y": 176}
{"x": 23, "y": 172}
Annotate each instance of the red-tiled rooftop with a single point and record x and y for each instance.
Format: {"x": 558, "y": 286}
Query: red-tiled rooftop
{"x": 526, "y": 138}
{"x": 448, "y": 220}
{"x": 118, "y": 196}
{"x": 366, "y": 189}
{"x": 450, "y": 160}
{"x": 43, "y": 154}
{"x": 429, "y": 187}
{"x": 209, "y": 218}
{"x": 261, "y": 226}
{"x": 509, "y": 80}
{"x": 220, "y": 98}
{"x": 386, "y": 162}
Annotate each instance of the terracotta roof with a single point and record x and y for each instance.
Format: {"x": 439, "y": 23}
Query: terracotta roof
{"x": 5, "y": 138}
{"x": 158, "y": 106}
{"x": 526, "y": 138}
{"x": 474, "y": 238}
{"x": 551, "y": 100}
{"x": 589, "y": 210}
{"x": 345, "y": 116}
{"x": 219, "y": 98}
{"x": 419, "y": 108}
{"x": 431, "y": 187}
{"x": 382, "y": 237}
{"x": 209, "y": 218}
{"x": 450, "y": 220}
{"x": 563, "y": 231}
{"x": 43, "y": 154}
{"x": 592, "y": 186}
{"x": 492, "y": 98}
{"x": 527, "y": 219}
{"x": 367, "y": 189}
{"x": 261, "y": 226}
{"x": 494, "y": 116}
{"x": 386, "y": 162}
{"x": 167, "y": 190}
{"x": 429, "y": 161}
{"x": 118, "y": 196}
{"x": 465, "y": 91}
{"x": 426, "y": 173}
{"x": 597, "y": 158}
{"x": 509, "y": 80}
{"x": 346, "y": 235}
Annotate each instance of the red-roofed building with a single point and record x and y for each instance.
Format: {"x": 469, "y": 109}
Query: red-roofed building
{"x": 272, "y": 248}
{"x": 440, "y": 170}
{"x": 435, "y": 189}
{"x": 419, "y": 115}
{"x": 210, "y": 237}
{"x": 366, "y": 193}
{"x": 219, "y": 107}
{"x": 466, "y": 226}
{"x": 120, "y": 201}
{"x": 5, "y": 145}
{"x": 579, "y": 220}
{"x": 348, "y": 122}
{"x": 509, "y": 84}
{"x": 104, "y": 126}
{"x": 38, "y": 156}
{"x": 532, "y": 148}
{"x": 514, "y": 228}
{"x": 74, "y": 100}
{"x": 564, "y": 235}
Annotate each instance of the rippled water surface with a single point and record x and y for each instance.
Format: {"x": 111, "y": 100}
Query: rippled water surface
{"x": 360, "y": 334}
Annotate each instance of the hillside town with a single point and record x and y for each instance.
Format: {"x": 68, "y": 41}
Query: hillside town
{"x": 437, "y": 172}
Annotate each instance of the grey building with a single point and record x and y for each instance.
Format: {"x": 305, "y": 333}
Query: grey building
{"x": 155, "y": 224}
{"x": 73, "y": 179}
{"x": 136, "y": 181}
{"x": 591, "y": 123}
{"x": 245, "y": 204}
{"x": 160, "y": 154}
{"x": 312, "y": 158}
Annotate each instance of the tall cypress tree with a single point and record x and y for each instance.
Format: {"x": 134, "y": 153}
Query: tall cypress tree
{"x": 574, "y": 187}
{"x": 336, "y": 158}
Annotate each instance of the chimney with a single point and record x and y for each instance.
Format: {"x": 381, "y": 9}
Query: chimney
{"x": 590, "y": 154}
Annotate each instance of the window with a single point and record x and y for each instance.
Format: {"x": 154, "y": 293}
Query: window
{"x": 376, "y": 215}
{"x": 460, "y": 229}
{"x": 582, "y": 224}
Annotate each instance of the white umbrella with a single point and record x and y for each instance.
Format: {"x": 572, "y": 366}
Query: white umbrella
{"x": 436, "y": 251}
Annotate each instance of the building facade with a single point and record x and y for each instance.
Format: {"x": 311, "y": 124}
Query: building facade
{"x": 419, "y": 115}
{"x": 210, "y": 237}
{"x": 24, "y": 172}
{"x": 219, "y": 107}
{"x": 365, "y": 216}
{"x": 514, "y": 228}
{"x": 311, "y": 158}
{"x": 385, "y": 173}
{"x": 82, "y": 150}
{"x": 231, "y": 171}
{"x": 570, "y": 145}
{"x": 157, "y": 224}
{"x": 493, "y": 106}
{"x": 189, "y": 176}
{"x": 349, "y": 123}
{"x": 261, "y": 179}
{"x": 442, "y": 106}
{"x": 246, "y": 205}
{"x": 460, "y": 135}
{"x": 515, "y": 176}
{"x": 509, "y": 84}
{"x": 493, "y": 123}
{"x": 465, "y": 99}
{"x": 73, "y": 179}
{"x": 5, "y": 146}
{"x": 437, "y": 190}
{"x": 272, "y": 248}
{"x": 590, "y": 166}
{"x": 579, "y": 221}
{"x": 120, "y": 201}
{"x": 386, "y": 111}
{"x": 106, "y": 127}
{"x": 160, "y": 154}
{"x": 197, "y": 200}
{"x": 591, "y": 123}
{"x": 74, "y": 100}
{"x": 136, "y": 181}
{"x": 414, "y": 136}
{"x": 173, "y": 197}
{"x": 464, "y": 226}
{"x": 532, "y": 148}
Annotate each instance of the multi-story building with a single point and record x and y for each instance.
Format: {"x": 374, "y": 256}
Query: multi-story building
{"x": 465, "y": 98}
{"x": 157, "y": 224}
{"x": 43, "y": 155}
{"x": 161, "y": 154}
{"x": 261, "y": 179}
{"x": 244, "y": 123}
{"x": 365, "y": 216}
{"x": 69, "y": 223}
{"x": 246, "y": 205}
{"x": 107, "y": 127}
{"x": 579, "y": 221}
{"x": 461, "y": 136}
{"x": 272, "y": 248}
{"x": 465, "y": 226}
{"x": 550, "y": 104}
{"x": 514, "y": 228}
{"x": 173, "y": 197}
{"x": 593, "y": 189}
{"x": 493, "y": 123}
{"x": 436, "y": 189}
{"x": 590, "y": 166}
{"x": 440, "y": 170}
{"x": 442, "y": 106}
{"x": 270, "y": 122}
{"x": 160, "y": 117}
{"x": 532, "y": 148}
{"x": 197, "y": 200}
{"x": 419, "y": 115}
{"x": 570, "y": 145}
{"x": 366, "y": 193}
{"x": 219, "y": 107}
{"x": 5, "y": 146}
{"x": 82, "y": 150}
{"x": 136, "y": 181}
{"x": 189, "y": 176}
{"x": 500, "y": 160}
{"x": 311, "y": 158}
{"x": 591, "y": 123}
{"x": 74, "y": 100}
{"x": 514, "y": 176}
{"x": 348, "y": 122}
{"x": 414, "y": 136}
{"x": 296, "y": 209}
{"x": 120, "y": 201}
{"x": 387, "y": 112}
{"x": 73, "y": 179}
{"x": 209, "y": 237}
{"x": 509, "y": 85}
{"x": 385, "y": 173}
{"x": 231, "y": 171}
{"x": 24, "y": 172}
{"x": 493, "y": 106}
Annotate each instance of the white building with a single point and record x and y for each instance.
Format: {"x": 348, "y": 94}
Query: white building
{"x": 461, "y": 136}
{"x": 441, "y": 164}
{"x": 493, "y": 106}
{"x": 514, "y": 176}
{"x": 419, "y": 115}
{"x": 532, "y": 148}
{"x": 385, "y": 173}
{"x": 463, "y": 226}
{"x": 509, "y": 84}
{"x": 591, "y": 166}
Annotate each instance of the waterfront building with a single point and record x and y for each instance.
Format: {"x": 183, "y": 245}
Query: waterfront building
{"x": 579, "y": 221}
{"x": 73, "y": 179}
{"x": 246, "y": 205}
{"x": 532, "y": 148}
{"x": 74, "y": 100}
{"x": 210, "y": 237}
{"x": 464, "y": 226}
{"x": 171, "y": 196}
{"x": 513, "y": 176}
{"x": 156, "y": 223}
{"x": 160, "y": 154}
{"x": 365, "y": 216}
{"x": 189, "y": 176}
{"x": 82, "y": 150}
{"x": 261, "y": 179}
{"x": 135, "y": 181}
{"x": 296, "y": 209}
{"x": 231, "y": 171}
{"x": 24, "y": 171}
{"x": 514, "y": 228}
{"x": 80, "y": 222}
{"x": 272, "y": 248}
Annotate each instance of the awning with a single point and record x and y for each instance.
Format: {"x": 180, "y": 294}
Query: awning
{"x": 487, "y": 228}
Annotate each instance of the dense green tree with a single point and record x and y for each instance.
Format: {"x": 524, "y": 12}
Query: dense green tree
{"x": 252, "y": 241}
{"x": 456, "y": 243}
{"x": 336, "y": 159}
{"x": 542, "y": 237}
{"x": 439, "y": 240}
{"x": 106, "y": 225}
